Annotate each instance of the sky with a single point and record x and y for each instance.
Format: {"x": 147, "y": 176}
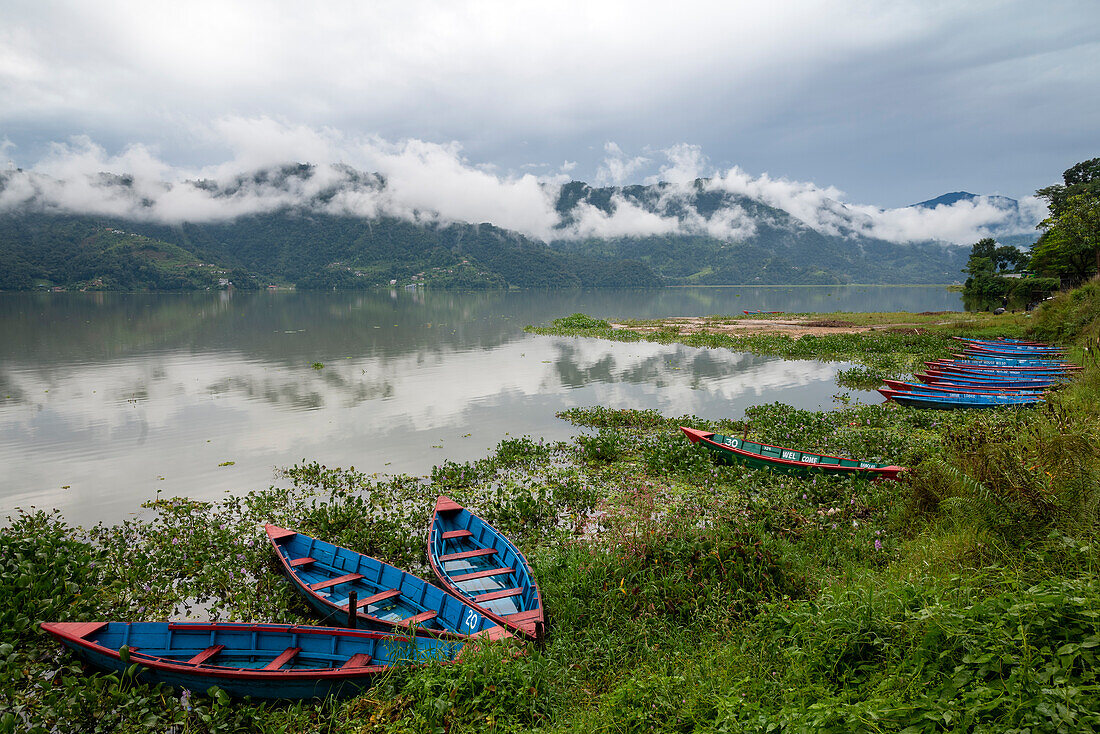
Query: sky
{"x": 875, "y": 104}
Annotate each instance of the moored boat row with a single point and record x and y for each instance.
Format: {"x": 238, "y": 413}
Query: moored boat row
{"x": 404, "y": 619}
{"x": 987, "y": 374}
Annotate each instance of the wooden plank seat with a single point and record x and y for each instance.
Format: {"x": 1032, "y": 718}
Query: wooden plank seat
{"x": 494, "y": 633}
{"x": 446, "y": 504}
{"x": 282, "y": 534}
{"x": 83, "y": 630}
{"x": 481, "y": 574}
{"x": 372, "y": 599}
{"x": 452, "y": 534}
{"x": 284, "y": 657}
{"x": 469, "y": 554}
{"x": 336, "y": 581}
{"x": 302, "y": 562}
{"x": 502, "y": 594}
{"x": 358, "y": 660}
{"x": 418, "y": 619}
{"x": 206, "y": 654}
{"x": 523, "y": 616}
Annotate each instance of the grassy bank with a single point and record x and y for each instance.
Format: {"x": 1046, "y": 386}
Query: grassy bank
{"x": 682, "y": 596}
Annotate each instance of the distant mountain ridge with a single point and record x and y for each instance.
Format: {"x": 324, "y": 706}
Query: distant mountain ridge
{"x": 777, "y": 249}
{"x": 334, "y": 226}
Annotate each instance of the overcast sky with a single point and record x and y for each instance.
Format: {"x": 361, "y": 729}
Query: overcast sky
{"x": 888, "y": 101}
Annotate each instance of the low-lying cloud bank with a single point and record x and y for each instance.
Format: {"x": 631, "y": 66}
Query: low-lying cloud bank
{"x": 430, "y": 182}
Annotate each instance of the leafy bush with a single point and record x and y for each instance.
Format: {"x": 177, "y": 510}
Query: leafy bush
{"x": 672, "y": 453}
{"x": 580, "y": 322}
{"x": 1070, "y": 316}
{"x": 926, "y": 658}
{"x": 606, "y": 446}
{"x": 494, "y": 687}
{"x": 521, "y": 451}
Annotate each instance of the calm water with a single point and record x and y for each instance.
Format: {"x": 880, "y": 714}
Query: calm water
{"x": 107, "y": 398}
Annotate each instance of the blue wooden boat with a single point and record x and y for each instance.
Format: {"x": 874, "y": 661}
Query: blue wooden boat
{"x": 987, "y": 364}
{"x": 1002, "y": 366}
{"x": 1000, "y": 340}
{"x": 275, "y": 661}
{"x": 976, "y": 376}
{"x": 959, "y": 400}
{"x": 956, "y": 389}
{"x": 938, "y": 377}
{"x": 995, "y": 371}
{"x": 482, "y": 567}
{"x": 1009, "y": 345}
{"x": 1010, "y": 361}
{"x": 387, "y": 598}
{"x": 961, "y": 381}
{"x": 1010, "y": 352}
{"x": 761, "y": 313}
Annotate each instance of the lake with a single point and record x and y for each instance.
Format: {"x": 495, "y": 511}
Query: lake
{"x": 108, "y": 398}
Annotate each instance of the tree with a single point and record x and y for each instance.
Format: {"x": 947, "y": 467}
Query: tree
{"x": 1080, "y": 219}
{"x": 1070, "y": 245}
{"x": 984, "y": 287}
{"x": 1081, "y": 178}
{"x": 1000, "y": 259}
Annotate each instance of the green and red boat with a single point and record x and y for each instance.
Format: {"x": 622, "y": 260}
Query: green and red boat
{"x": 731, "y": 450}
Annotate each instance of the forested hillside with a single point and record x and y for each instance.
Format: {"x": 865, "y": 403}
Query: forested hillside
{"x": 342, "y": 228}
{"x": 308, "y": 250}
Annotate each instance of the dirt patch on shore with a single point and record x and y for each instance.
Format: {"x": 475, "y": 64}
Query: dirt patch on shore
{"x": 748, "y": 327}
{"x": 833, "y": 323}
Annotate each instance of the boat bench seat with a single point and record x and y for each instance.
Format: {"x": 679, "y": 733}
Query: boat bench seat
{"x": 418, "y": 619}
{"x": 358, "y": 660}
{"x": 302, "y": 562}
{"x": 469, "y": 554}
{"x": 206, "y": 654}
{"x": 451, "y": 534}
{"x": 336, "y": 581}
{"x": 372, "y": 599}
{"x": 481, "y": 574}
{"x": 284, "y": 657}
{"x": 524, "y": 616}
{"x": 502, "y": 594}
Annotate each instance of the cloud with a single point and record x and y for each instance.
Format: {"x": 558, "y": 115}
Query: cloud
{"x": 824, "y": 209}
{"x": 685, "y": 164}
{"x": 617, "y": 167}
{"x": 425, "y": 181}
{"x": 801, "y": 87}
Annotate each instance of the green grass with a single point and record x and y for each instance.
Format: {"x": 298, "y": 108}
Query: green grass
{"x": 682, "y": 595}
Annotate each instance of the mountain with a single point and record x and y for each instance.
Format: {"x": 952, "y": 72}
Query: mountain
{"x": 292, "y": 229}
{"x": 1016, "y": 228}
{"x": 764, "y": 244}
{"x": 336, "y": 227}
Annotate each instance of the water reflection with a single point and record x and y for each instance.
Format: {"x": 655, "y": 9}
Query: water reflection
{"x": 106, "y": 400}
